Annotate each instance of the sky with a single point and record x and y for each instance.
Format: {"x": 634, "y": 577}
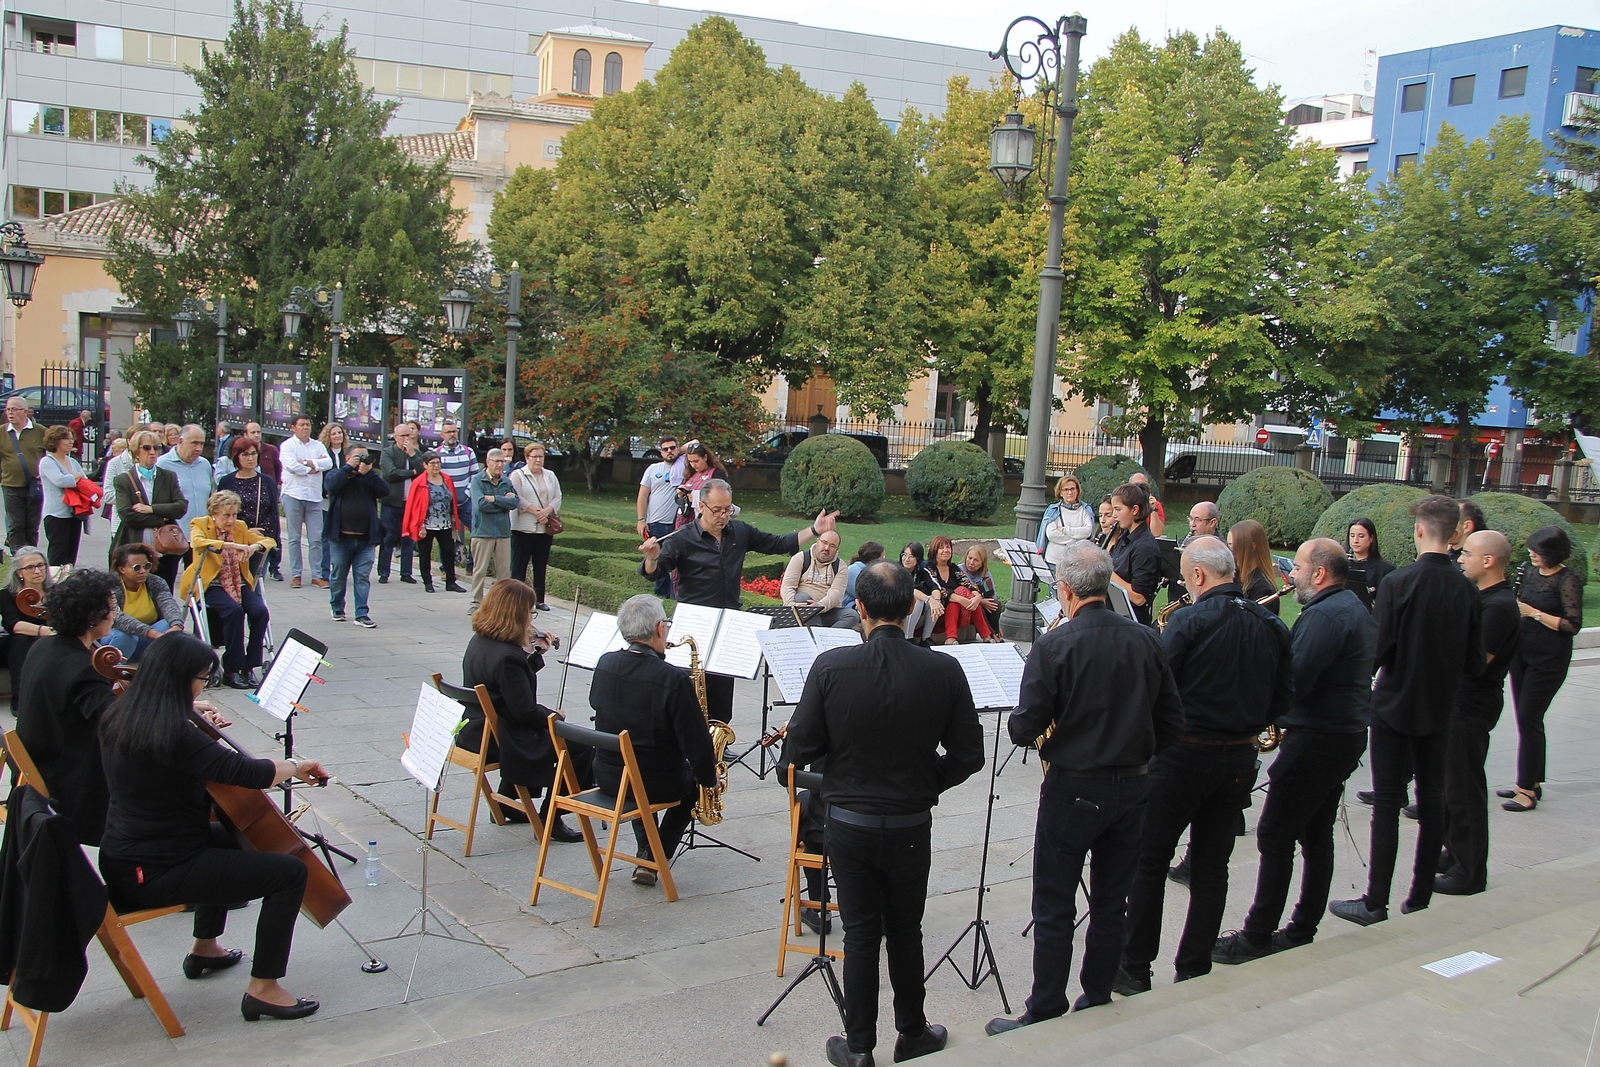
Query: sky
{"x": 1307, "y": 50}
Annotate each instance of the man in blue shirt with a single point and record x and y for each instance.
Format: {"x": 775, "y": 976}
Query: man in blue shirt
{"x": 195, "y": 477}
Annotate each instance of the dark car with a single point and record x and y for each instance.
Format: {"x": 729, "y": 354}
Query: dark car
{"x": 57, "y": 405}
{"x": 776, "y": 448}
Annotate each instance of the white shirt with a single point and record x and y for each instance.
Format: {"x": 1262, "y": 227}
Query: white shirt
{"x": 303, "y": 465}
{"x": 662, "y": 504}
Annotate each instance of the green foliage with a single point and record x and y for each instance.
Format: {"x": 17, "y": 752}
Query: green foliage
{"x": 597, "y": 594}
{"x": 1104, "y": 473}
{"x": 834, "y": 473}
{"x": 174, "y": 382}
{"x": 283, "y": 177}
{"x": 1388, "y": 506}
{"x": 954, "y": 480}
{"x": 1580, "y": 154}
{"x": 622, "y": 572}
{"x": 1517, "y": 516}
{"x": 1286, "y": 500}
{"x": 599, "y": 543}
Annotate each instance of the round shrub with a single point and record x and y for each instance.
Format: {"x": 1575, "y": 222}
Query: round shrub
{"x": 1104, "y": 473}
{"x": 1518, "y": 516}
{"x": 1286, "y": 500}
{"x": 1388, "y": 506}
{"x": 954, "y": 480}
{"x": 834, "y": 473}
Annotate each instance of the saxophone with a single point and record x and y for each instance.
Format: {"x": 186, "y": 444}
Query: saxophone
{"x": 708, "y": 810}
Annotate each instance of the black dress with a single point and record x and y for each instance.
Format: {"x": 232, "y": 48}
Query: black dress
{"x": 60, "y": 698}
{"x": 1540, "y": 666}
{"x": 1365, "y": 574}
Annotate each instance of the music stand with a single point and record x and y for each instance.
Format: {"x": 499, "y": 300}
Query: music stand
{"x": 784, "y": 616}
{"x": 821, "y": 963}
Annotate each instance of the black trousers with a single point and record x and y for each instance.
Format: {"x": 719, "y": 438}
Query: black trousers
{"x": 1101, "y": 820}
{"x": 220, "y": 876}
{"x": 232, "y": 616}
{"x": 1307, "y": 780}
{"x": 392, "y": 519}
{"x": 64, "y": 535}
{"x": 1394, "y": 756}
{"x": 1203, "y": 788}
{"x": 168, "y": 568}
{"x": 671, "y": 823}
{"x": 22, "y": 516}
{"x": 1534, "y": 684}
{"x": 531, "y": 548}
{"x": 882, "y": 877}
{"x": 1466, "y": 789}
{"x": 446, "y": 540}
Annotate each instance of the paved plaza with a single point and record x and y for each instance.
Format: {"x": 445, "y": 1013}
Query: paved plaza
{"x": 682, "y": 983}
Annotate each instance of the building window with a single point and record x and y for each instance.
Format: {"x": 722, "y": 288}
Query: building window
{"x": 613, "y": 82}
{"x": 77, "y": 200}
{"x": 61, "y": 43}
{"x": 24, "y": 202}
{"x": 1358, "y": 167}
{"x": 80, "y": 124}
{"x": 163, "y": 50}
{"x": 160, "y": 130}
{"x": 1588, "y": 80}
{"x": 135, "y": 130}
{"x": 53, "y": 120}
{"x": 580, "y": 71}
{"x": 107, "y": 126}
{"x": 949, "y": 414}
{"x": 1513, "y": 82}
{"x": 1303, "y": 115}
{"x": 408, "y": 78}
{"x": 1461, "y": 89}
{"x": 1413, "y": 97}
{"x": 1405, "y": 159}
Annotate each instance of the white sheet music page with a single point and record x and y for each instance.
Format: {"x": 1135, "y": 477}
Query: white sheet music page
{"x": 986, "y": 689}
{"x": 1006, "y": 662}
{"x": 736, "y": 652}
{"x": 285, "y": 684}
{"x": 600, "y": 635}
{"x": 433, "y": 731}
{"x": 697, "y": 622}
{"x": 789, "y": 652}
{"x": 827, "y": 637}
{"x": 1049, "y": 611}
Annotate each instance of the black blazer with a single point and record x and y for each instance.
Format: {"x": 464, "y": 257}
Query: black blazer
{"x": 637, "y": 690}
{"x": 1430, "y": 635}
{"x": 166, "y": 500}
{"x": 60, "y": 698}
{"x": 526, "y": 754}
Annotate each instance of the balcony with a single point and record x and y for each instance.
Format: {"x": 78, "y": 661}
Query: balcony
{"x": 1574, "y": 104}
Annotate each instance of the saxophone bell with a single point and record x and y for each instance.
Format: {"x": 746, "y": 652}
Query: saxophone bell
{"x": 708, "y": 809}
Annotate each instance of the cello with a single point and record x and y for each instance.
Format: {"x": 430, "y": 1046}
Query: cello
{"x": 250, "y": 815}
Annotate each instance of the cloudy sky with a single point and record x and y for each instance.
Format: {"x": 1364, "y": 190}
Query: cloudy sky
{"x": 1307, "y": 50}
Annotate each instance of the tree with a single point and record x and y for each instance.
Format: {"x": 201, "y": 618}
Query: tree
{"x": 283, "y": 176}
{"x": 1205, "y": 252}
{"x": 171, "y": 382}
{"x": 1581, "y": 155}
{"x": 1475, "y": 258}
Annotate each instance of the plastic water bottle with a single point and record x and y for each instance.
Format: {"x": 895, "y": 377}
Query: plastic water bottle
{"x": 372, "y": 863}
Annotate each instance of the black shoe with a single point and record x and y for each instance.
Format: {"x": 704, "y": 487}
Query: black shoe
{"x": 1084, "y": 1002}
{"x": 254, "y": 1009}
{"x": 427, "y": 585}
{"x": 1180, "y": 873}
{"x": 236, "y": 680}
{"x": 817, "y": 923}
{"x": 839, "y": 1054}
{"x": 1235, "y": 947}
{"x": 406, "y": 579}
{"x": 513, "y": 813}
{"x": 1508, "y": 794}
{"x": 562, "y": 832}
{"x": 1409, "y": 811}
{"x": 1406, "y": 907}
{"x": 1453, "y": 885}
{"x": 275, "y": 576}
{"x": 383, "y": 579}
{"x": 1128, "y": 985}
{"x": 1003, "y": 1025}
{"x": 1365, "y": 796}
{"x": 1283, "y": 942}
{"x": 197, "y": 966}
{"x": 910, "y": 1046}
{"x": 452, "y": 587}
{"x": 544, "y": 607}
{"x": 1356, "y": 911}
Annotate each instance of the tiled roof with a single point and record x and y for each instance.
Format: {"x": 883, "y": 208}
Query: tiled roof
{"x": 96, "y": 221}
{"x": 457, "y": 144}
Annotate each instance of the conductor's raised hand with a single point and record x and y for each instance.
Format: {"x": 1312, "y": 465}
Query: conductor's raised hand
{"x": 825, "y": 521}
{"x": 651, "y": 549}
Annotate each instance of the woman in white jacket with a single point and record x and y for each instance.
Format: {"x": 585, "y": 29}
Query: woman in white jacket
{"x": 540, "y": 496}
{"x": 1066, "y": 522}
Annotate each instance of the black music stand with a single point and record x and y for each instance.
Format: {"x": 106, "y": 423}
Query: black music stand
{"x": 821, "y": 963}
{"x": 784, "y": 616}
{"x": 693, "y": 839}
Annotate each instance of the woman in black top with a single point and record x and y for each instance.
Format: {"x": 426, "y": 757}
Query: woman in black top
{"x": 925, "y": 607}
{"x": 1135, "y": 556}
{"x": 1367, "y": 565}
{"x": 1550, "y": 596}
{"x": 160, "y": 846}
{"x": 961, "y": 600}
{"x": 1106, "y": 528}
{"x": 1252, "y": 557}
{"x": 28, "y": 569}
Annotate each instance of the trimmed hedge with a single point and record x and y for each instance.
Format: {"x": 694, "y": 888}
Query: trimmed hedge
{"x": 1286, "y": 500}
{"x": 620, "y": 572}
{"x": 834, "y": 473}
{"x": 1517, "y": 516}
{"x": 605, "y": 544}
{"x": 1388, "y": 506}
{"x": 1104, "y": 473}
{"x": 954, "y": 480}
{"x": 597, "y": 594}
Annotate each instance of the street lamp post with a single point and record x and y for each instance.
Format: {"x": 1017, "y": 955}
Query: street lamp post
{"x": 323, "y": 299}
{"x": 1049, "y": 54}
{"x": 458, "y": 304}
{"x": 194, "y": 310}
{"x": 21, "y": 265}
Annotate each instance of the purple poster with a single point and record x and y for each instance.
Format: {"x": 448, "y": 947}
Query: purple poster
{"x": 361, "y": 403}
{"x": 283, "y": 390}
{"x": 236, "y": 394}
{"x": 428, "y": 397}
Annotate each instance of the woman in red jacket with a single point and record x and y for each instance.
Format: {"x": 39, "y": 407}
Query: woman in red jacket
{"x": 431, "y": 516}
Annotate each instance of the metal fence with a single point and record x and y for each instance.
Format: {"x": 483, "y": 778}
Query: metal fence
{"x": 65, "y": 389}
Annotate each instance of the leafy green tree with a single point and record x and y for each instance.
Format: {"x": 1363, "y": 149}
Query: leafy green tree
{"x": 284, "y": 176}
{"x": 1205, "y": 251}
{"x": 1581, "y": 154}
{"x": 171, "y": 381}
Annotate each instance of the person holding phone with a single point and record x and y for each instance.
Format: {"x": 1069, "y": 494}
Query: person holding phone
{"x": 354, "y": 531}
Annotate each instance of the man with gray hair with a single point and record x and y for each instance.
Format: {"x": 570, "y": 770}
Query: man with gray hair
{"x": 1202, "y": 522}
{"x": 1100, "y": 688}
{"x": 637, "y": 690}
{"x": 494, "y": 500}
{"x": 1231, "y": 658}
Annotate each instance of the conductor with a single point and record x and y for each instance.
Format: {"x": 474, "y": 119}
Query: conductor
{"x": 878, "y": 713}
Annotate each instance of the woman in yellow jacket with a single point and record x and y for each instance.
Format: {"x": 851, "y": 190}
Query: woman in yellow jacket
{"x": 222, "y": 549}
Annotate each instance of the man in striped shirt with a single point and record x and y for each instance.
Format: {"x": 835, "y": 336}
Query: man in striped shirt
{"x": 458, "y": 463}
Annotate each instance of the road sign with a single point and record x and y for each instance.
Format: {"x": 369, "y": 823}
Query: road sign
{"x": 1262, "y": 436}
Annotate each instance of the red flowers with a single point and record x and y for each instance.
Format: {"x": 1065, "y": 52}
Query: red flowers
{"x": 761, "y": 586}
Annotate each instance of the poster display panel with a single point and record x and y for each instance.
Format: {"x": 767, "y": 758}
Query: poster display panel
{"x": 361, "y": 403}
{"x": 429, "y": 396}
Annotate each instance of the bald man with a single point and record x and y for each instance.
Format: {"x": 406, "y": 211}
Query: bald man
{"x": 1478, "y": 706}
{"x": 1202, "y": 522}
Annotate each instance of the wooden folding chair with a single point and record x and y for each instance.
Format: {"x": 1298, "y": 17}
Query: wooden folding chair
{"x": 630, "y": 803}
{"x": 799, "y": 859}
{"x": 480, "y": 765}
{"x": 112, "y": 935}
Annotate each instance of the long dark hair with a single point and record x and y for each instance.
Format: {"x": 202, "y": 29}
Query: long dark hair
{"x": 1372, "y": 532}
{"x": 149, "y": 719}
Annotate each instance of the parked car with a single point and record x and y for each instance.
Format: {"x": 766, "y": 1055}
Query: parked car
{"x": 57, "y": 405}
{"x": 776, "y": 448}
{"x": 1215, "y": 463}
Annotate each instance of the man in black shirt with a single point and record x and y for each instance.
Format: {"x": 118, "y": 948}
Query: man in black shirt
{"x": 1325, "y": 733}
{"x": 1429, "y": 637}
{"x": 1472, "y": 521}
{"x": 354, "y": 530}
{"x": 1478, "y": 706}
{"x": 1231, "y": 659}
{"x": 708, "y": 555}
{"x": 637, "y": 690}
{"x": 1135, "y": 557}
{"x": 879, "y": 713}
{"x": 1100, "y": 685}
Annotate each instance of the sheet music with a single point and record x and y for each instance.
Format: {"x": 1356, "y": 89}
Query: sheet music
{"x": 699, "y": 623}
{"x": 600, "y": 635}
{"x": 1006, "y": 661}
{"x": 287, "y": 678}
{"x": 827, "y": 637}
{"x": 994, "y": 673}
{"x": 433, "y": 731}
{"x": 736, "y": 652}
{"x": 1049, "y": 611}
{"x": 789, "y": 652}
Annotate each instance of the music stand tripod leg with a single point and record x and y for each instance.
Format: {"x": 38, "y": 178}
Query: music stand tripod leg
{"x": 821, "y": 963}
{"x": 318, "y": 840}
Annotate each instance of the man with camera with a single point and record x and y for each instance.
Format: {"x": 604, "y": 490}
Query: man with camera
{"x": 354, "y": 530}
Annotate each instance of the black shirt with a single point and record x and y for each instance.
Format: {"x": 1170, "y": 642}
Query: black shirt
{"x": 1365, "y": 576}
{"x": 352, "y": 503}
{"x": 1559, "y": 594}
{"x": 637, "y": 690}
{"x": 1502, "y": 634}
{"x": 60, "y": 698}
{"x": 880, "y": 712}
{"x": 1429, "y": 636}
{"x": 160, "y": 813}
{"x": 1105, "y": 683}
{"x": 1231, "y": 660}
{"x": 526, "y": 754}
{"x": 1137, "y": 560}
{"x": 1261, "y": 587}
{"x": 708, "y": 569}
{"x": 1334, "y": 641}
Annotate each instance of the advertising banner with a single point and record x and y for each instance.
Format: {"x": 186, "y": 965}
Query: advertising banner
{"x": 236, "y": 394}
{"x": 429, "y": 396}
{"x": 361, "y": 403}
{"x": 283, "y": 391}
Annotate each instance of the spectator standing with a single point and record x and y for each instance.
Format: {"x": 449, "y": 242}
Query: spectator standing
{"x": 398, "y": 464}
{"x": 1068, "y": 519}
{"x": 82, "y": 427}
{"x": 20, "y": 448}
{"x": 304, "y": 462}
{"x": 333, "y": 438}
{"x": 148, "y": 497}
{"x": 494, "y": 500}
{"x": 224, "y": 439}
{"x": 258, "y": 494}
{"x": 354, "y": 492}
{"x": 196, "y": 480}
{"x": 172, "y": 434}
{"x": 539, "y": 501}
{"x": 432, "y": 517}
{"x": 657, "y": 504}
{"x": 459, "y": 463}
{"x": 271, "y": 463}
{"x": 701, "y": 468}
{"x": 59, "y": 471}
{"x": 1158, "y": 514}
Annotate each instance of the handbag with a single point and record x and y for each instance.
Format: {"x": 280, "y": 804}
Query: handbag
{"x": 169, "y": 540}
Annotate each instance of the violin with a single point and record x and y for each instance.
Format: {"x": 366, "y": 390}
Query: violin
{"x": 774, "y": 735}
{"x": 542, "y": 641}
{"x": 249, "y": 814}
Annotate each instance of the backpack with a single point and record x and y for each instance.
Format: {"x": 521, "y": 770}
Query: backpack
{"x": 805, "y": 562}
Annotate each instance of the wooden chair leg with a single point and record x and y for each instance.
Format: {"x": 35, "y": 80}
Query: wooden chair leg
{"x": 789, "y": 900}
{"x": 35, "y": 1021}
{"x": 605, "y": 872}
{"x": 114, "y": 938}
{"x": 532, "y": 812}
{"x": 538, "y": 869}
{"x": 496, "y": 810}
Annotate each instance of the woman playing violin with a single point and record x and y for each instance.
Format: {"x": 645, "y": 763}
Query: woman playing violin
{"x": 160, "y": 847}
{"x": 28, "y": 571}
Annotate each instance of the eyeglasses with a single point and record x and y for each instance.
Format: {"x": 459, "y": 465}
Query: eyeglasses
{"x": 149, "y": 448}
{"x": 203, "y": 677}
{"x": 139, "y": 568}
{"x": 32, "y": 567}
{"x": 719, "y": 512}
{"x": 252, "y": 452}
